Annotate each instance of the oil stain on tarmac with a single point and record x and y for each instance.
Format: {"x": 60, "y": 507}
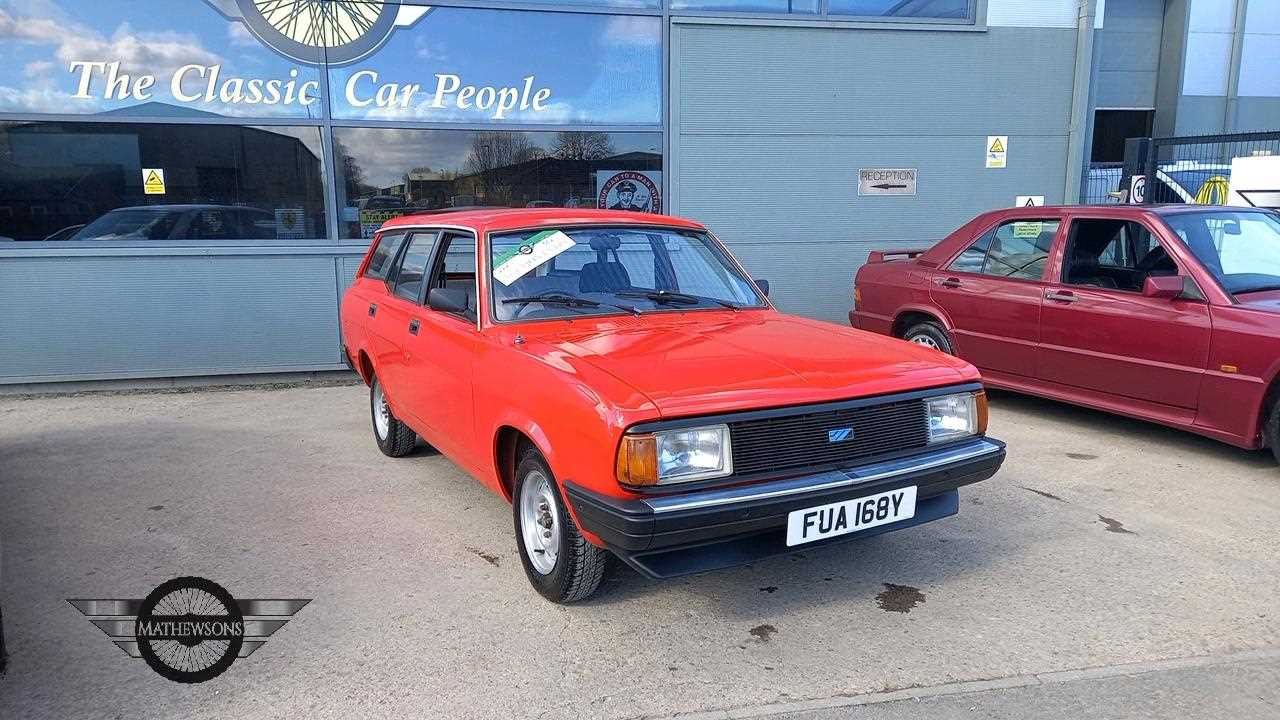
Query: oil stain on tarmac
{"x": 899, "y": 598}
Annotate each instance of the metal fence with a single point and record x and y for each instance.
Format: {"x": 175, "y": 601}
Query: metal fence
{"x": 1200, "y": 169}
{"x": 1101, "y": 181}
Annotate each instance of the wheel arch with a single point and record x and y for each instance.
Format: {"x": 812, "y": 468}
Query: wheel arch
{"x": 364, "y": 366}
{"x": 508, "y": 439}
{"x": 1269, "y": 400}
{"x": 910, "y": 315}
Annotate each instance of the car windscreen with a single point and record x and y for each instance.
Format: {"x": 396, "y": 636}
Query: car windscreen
{"x": 1240, "y": 248}
{"x": 133, "y": 224}
{"x": 567, "y": 272}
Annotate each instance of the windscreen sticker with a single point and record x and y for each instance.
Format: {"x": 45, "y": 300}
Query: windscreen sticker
{"x": 514, "y": 263}
{"x": 1027, "y": 230}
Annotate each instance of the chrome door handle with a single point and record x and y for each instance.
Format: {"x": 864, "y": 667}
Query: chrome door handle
{"x": 1067, "y": 297}
{"x": 413, "y": 327}
{"x": 373, "y": 309}
{"x": 950, "y": 282}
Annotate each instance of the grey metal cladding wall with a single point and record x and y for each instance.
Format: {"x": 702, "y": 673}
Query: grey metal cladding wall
{"x": 771, "y": 164}
{"x": 1129, "y": 57}
{"x": 160, "y": 316}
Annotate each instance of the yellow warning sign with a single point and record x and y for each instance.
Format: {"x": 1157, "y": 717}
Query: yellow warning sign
{"x": 153, "y": 181}
{"x": 997, "y": 151}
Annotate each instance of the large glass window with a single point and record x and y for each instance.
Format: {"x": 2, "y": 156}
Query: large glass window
{"x": 903, "y": 9}
{"x": 160, "y": 58}
{"x": 800, "y": 7}
{"x": 159, "y": 182}
{"x": 385, "y": 173}
{"x": 501, "y": 66}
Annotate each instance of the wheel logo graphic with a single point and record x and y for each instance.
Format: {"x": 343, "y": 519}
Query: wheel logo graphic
{"x": 318, "y": 31}
{"x": 189, "y": 629}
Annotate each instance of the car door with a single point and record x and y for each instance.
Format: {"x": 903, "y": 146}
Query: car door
{"x": 390, "y": 326}
{"x": 440, "y": 349}
{"x": 992, "y": 293}
{"x": 367, "y": 292}
{"x": 1099, "y": 332}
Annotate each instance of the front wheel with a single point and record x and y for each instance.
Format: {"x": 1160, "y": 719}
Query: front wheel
{"x": 395, "y": 439}
{"x": 1272, "y": 430}
{"x": 930, "y": 335}
{"x": 561, "y": 565}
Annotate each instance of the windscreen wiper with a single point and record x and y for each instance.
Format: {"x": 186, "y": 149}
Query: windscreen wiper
{"x": 569, "y": 301}
{"x": 664, "y": 297}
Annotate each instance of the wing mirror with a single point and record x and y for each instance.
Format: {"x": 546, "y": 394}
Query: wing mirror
{"x": 449, "y": 300}
{"x": 763, "y": 285}
{"x": 1167, "y": 287}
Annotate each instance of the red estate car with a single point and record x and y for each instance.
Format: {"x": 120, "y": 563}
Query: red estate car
{"x": 629, "y": 388}
{"x": 1165, "y": 313}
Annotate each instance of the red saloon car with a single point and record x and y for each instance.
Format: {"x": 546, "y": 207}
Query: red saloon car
{"x": 1165, "y": 313}
{"x": 623, "y": 382}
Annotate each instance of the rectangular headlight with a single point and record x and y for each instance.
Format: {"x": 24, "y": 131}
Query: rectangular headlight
{"x": 953, "y": 417}
{"x": 675, "y": 456}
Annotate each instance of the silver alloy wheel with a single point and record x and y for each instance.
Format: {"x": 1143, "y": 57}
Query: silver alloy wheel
{"x": 540, "y": 522}
{"x": 925, "y": 340}
{"x": 381, "y": 413}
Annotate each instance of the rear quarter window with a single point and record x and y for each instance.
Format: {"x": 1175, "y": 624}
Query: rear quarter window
{"x": 380, "y": 261}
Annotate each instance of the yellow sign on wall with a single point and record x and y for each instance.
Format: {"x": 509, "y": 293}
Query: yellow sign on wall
{"x": 997, "y": 151}
{"x": 153, "y": 181}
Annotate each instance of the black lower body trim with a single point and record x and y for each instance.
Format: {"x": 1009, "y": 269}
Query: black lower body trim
{"x": 666, "y": 540}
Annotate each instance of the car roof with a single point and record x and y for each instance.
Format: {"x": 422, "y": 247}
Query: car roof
{"x": 1118, "y": 209}
{"x": 500, "y": 219}
{"x": 180, "y": 207}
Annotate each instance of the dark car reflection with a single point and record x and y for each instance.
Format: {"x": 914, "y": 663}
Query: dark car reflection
{"x": 181, "y": 222}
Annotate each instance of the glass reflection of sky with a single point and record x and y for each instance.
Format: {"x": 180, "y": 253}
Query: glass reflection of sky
{"x": 148, "y": 37}
{"x": 599, "y": 69}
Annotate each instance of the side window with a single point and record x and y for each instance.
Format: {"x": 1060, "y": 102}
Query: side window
{"x": 380, "y": 261}
{"x": 214, "y": 224}
{"x": 456, "y": 269}
{"x": 974, "y": 256}
{"x": 1020, "y": 249}
{"x": 413, "y": 265}
{"x": 1114, "y": 255}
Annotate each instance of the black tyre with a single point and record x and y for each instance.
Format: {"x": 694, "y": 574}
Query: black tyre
{"x": 1272, "y": 430}
{"x": 562, "y": 566}
{"x": 931, "y": 335}
{"x": 395, "y": 439}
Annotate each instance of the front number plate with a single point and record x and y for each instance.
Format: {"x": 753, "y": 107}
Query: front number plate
{"x": 842, "y": 518}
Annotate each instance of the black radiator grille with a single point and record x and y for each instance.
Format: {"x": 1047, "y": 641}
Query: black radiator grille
{"x": 795, "y": 441}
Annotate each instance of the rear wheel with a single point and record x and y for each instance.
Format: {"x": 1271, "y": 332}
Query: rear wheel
{"x": 395, "y": 439}
{"x": 561, "y": 565}
{"x": 931, "y": 335}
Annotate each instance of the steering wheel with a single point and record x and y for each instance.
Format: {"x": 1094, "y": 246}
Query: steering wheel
{"x": 1154, "y": 258}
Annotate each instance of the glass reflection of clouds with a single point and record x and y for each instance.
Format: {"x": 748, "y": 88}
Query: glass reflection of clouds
{"x": 588, "y": 69}
{"x": 175, "y": 58}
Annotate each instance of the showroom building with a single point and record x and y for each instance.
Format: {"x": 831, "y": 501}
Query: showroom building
{"x": 187, "y": 186}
